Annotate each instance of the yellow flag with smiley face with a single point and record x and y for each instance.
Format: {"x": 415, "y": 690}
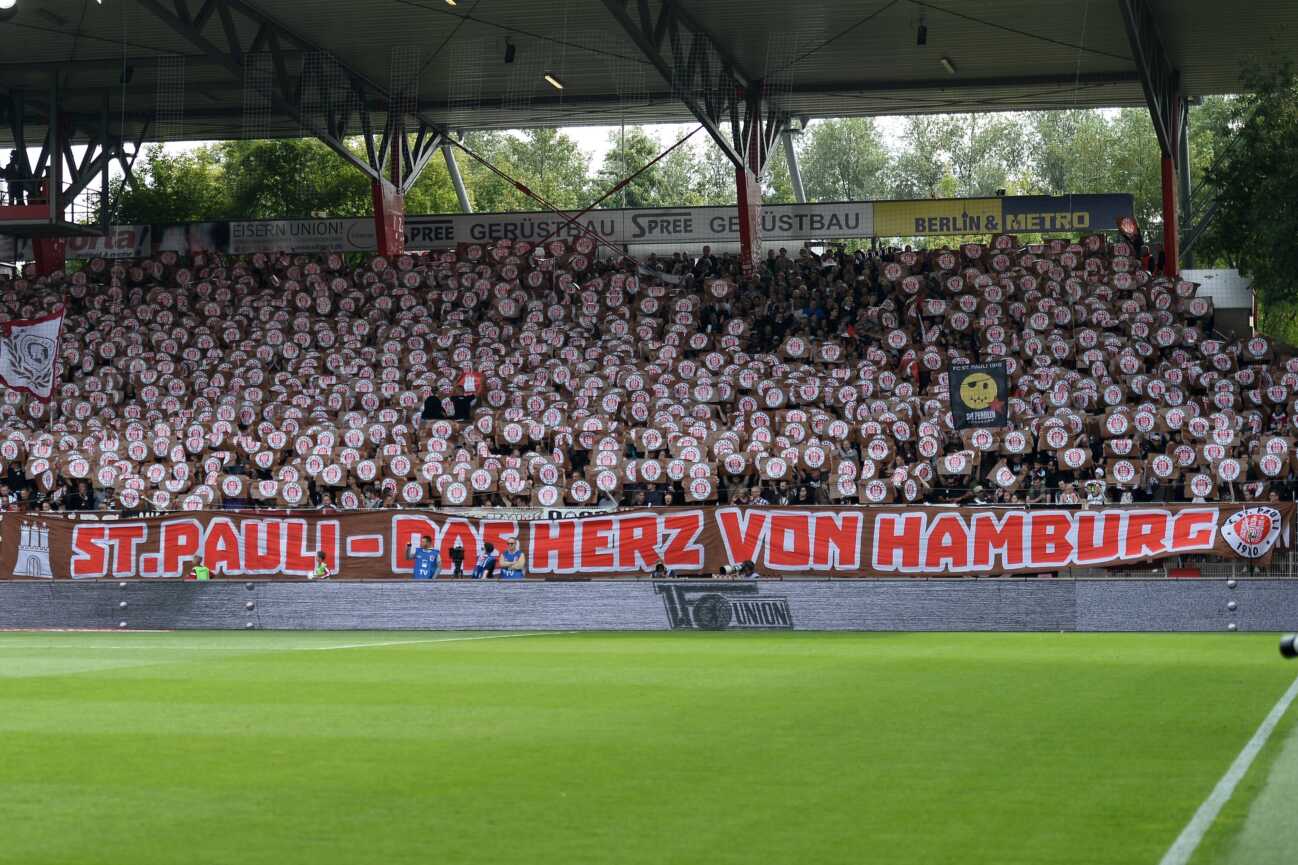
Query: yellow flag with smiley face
{"x": 979, "y": 395}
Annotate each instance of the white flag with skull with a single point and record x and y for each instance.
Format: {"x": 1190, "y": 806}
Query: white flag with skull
{"x": 29, "y": 352}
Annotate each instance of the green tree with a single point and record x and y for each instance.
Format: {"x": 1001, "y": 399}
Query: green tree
{"x": 843, "y": 160}
{"x": 715, "y": 174}
{"x": 1066, "y": 151}
{"x": 261, "y": 180}
{"x": 947, "y": 155}
{"x": 1254, "y": 181}
{"x": 292, "y": 177}
{"x": 919, "y": 165}
{"x": 632, "y": 148}
{"x": 983, "y": 151}
{"x": 1212, "y": 125}
{"x": 546, "y": 161}
{"x": 1134, "y": 164}
{"x": 433, "y": 192}
{"x": 777, "y": 185}
{"x": 676, "y": 175}
{"x": 172, "y": 187}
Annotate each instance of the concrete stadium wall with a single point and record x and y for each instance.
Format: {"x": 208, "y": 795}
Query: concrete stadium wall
{"x": 865, "y": 605}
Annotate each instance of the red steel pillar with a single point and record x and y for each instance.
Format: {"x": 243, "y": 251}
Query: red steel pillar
{"x": 1171, "y": 223}
{"x": 749, "y": 200}
{"x": 50, "y": 254}
{"x": 390, "y": 207}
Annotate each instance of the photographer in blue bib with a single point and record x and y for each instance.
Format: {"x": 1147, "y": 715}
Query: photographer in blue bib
{"x": 427, "y": 560}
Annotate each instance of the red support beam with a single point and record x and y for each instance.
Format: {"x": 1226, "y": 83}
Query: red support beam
{"x": 749, "y": 201}
{"x": 1171, "y": 226}
{"x": 390, "y": 207}
{"x": 50, "y": 254}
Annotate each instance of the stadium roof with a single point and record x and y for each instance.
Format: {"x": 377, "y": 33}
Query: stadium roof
{"x": 129, "y": 58}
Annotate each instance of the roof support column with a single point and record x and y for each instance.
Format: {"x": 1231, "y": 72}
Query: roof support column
{"x": 1171, "y": 218}
{"x": 748, "y": 183}
{"x": 51, "y": 252}
{"x": 220, "y": 31}
{"x": 453, "y": 168}
{"x": 1162, "y": 86}
{"x": 795, "y": 170}
{"x": 390, "y": 201}
{"x": 1183, "y": 158}
{"x": 704, "y": 75}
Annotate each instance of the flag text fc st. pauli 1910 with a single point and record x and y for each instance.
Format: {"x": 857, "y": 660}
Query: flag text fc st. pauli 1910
{"x": 885, "y": 541}
{"x": 979, "y": 395}
{"x": 29, "y": 354}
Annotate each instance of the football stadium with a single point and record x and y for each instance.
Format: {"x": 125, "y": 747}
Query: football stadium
{"x": 658, "y": 431}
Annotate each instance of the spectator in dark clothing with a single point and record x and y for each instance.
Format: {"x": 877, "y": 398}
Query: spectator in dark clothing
{"x": 433, "y": 409}
{"x": 707, "y": 264}
{"x": 14, "y": 477}
{"x": 463, "y": 403}
{"x": 81, "y": 499}
{"x": 14, "y": 179}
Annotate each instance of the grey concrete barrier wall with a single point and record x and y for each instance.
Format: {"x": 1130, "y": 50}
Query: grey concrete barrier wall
{"x": 864, "y": 605}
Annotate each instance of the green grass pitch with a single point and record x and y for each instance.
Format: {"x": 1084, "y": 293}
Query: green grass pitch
{"x": 268, "y": 748}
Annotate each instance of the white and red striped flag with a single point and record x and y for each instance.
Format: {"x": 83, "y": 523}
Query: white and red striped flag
{"x": 29, "y": 353}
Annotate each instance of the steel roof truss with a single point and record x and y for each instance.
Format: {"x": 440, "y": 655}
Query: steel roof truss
{"x": 706, "y": 78}
{"x": 1160, "y": 81}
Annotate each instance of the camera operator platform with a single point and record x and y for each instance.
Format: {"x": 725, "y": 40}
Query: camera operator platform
{"x": 39, "y": 195}
{"x": 38, "y": 217}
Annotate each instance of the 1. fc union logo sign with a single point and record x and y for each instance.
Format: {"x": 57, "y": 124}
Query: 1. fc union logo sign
{"x": 711, "y": 607}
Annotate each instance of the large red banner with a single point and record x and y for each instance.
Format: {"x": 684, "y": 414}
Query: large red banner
{"x": 825, "y": 541}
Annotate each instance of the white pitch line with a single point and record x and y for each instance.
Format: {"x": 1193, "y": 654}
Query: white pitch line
{"x": 5, "y": 644}
{"x": 58, "y": 640}
{"x": 1188, "y": 841}
{"x": 413, "y": 642}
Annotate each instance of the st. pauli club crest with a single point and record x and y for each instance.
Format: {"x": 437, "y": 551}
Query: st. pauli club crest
{"x": 1253, "y": 531}
{"x": 29, "y": 354}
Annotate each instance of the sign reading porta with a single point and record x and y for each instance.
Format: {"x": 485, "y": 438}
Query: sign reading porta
{"x": 828, "y": 541}
{"x": 121, "y": 241}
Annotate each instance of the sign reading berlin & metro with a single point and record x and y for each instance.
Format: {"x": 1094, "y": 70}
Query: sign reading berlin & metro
{"x": 885, "y": 541}
{"x": 979, "y": 395}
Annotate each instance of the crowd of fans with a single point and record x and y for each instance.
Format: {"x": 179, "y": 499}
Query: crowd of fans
{"x": 507, "y": 375}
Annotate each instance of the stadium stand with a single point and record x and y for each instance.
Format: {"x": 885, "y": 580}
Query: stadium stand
{"x": 511, "y": 375}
